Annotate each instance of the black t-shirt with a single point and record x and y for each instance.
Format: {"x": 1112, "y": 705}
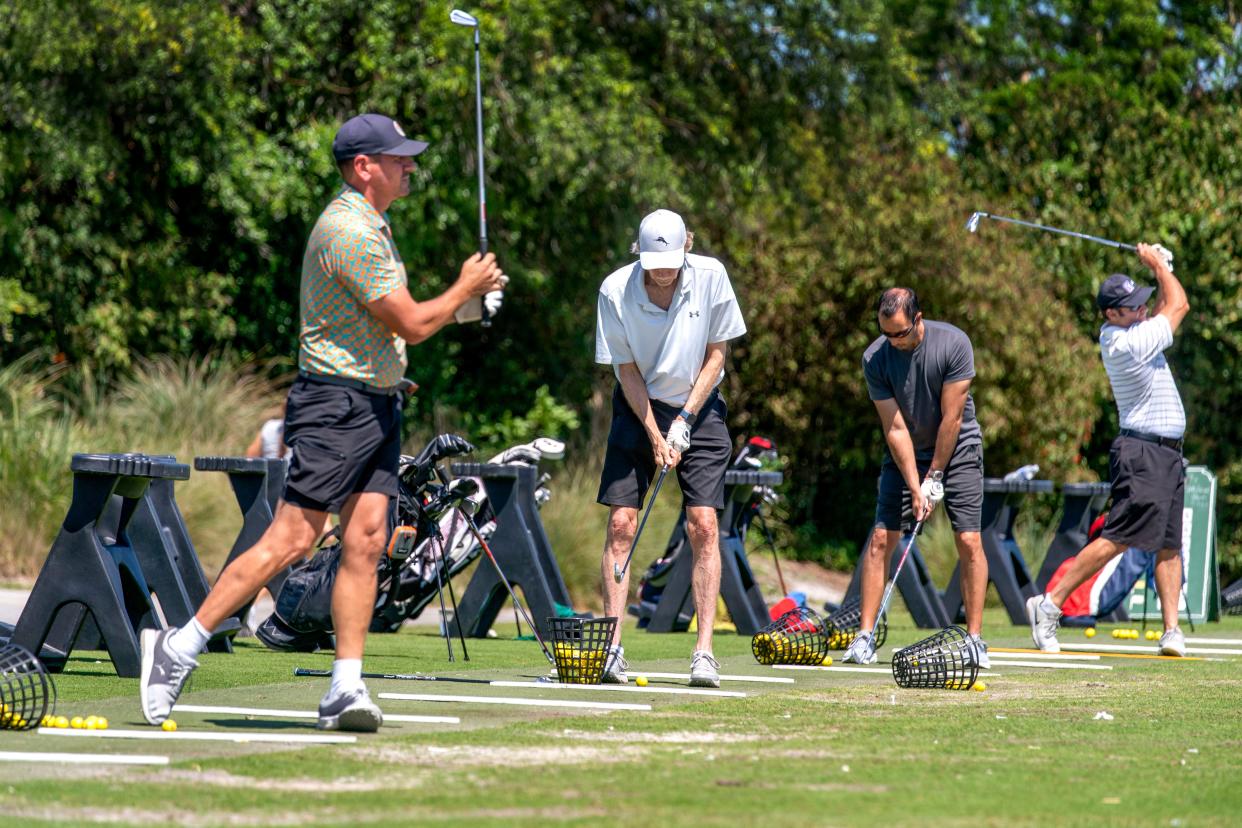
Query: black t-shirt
{"x": 915, "y": 378}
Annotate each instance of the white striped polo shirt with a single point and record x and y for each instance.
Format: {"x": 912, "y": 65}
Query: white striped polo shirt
{"x": 1143, "y": 385}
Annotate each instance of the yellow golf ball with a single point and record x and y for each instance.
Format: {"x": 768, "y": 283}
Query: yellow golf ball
{"x": 827, "y": 661}
{"x": 1089, "y": 632}
{"x": 641, "y": 681}
{"x": 980, "y": 686}
{"x": 77, "y": 723}
{"x": 102, "y": 724}
{"x": 169, "y": 725}
{"x": 1152, "y": 635}
{"x": 1116, "y": 633}
{"x": 62, "y": 722}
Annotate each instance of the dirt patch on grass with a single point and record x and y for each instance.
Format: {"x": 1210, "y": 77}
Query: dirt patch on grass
{"x": 221, "y": 778}
{"x": 470, "y": 756}
{"x": 138, "y": 816}
{"x": 673, "y": 738}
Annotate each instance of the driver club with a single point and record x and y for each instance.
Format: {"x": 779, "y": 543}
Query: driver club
{"x": 462, "y": 18}
{"x": 972, "y": 225}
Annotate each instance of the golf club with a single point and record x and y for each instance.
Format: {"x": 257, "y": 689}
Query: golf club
{"x": 461, "y": 18}
{"x": 973, "y": 223}
{"x": 302, "y": 671}
{"x": 461, "y": 635}
{"x": 767, "y": 537}
{"x": 888, "y": 591}
{"x": 474, "y": 530}
{"x": 618, "y": 572}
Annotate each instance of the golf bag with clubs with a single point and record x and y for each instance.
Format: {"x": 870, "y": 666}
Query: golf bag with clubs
{"x": 411, "y": 574}
{"x": 752, "y": 457}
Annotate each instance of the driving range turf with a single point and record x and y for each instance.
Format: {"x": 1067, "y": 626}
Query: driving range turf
{"x": 834, "y": 748}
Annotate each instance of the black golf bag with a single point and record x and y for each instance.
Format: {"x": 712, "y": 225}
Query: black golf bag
{"x": 408, "y": 579}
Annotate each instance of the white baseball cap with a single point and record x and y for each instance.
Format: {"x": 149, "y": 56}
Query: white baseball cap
{"x": 662, "y": 240}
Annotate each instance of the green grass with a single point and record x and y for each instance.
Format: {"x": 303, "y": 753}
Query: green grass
{"x": 833, "y": 749}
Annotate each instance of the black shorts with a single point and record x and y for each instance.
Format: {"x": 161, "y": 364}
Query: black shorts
{"x": 343, "y": 441}
{"x": 629, "y": 465}
{"x": 1149, "y": 486}
{"x": 963, "y": 491}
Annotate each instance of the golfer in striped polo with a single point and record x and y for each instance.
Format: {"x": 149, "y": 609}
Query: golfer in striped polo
{"x": 1145, "y": 462}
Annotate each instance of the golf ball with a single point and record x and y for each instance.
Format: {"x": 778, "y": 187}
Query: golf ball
{"x": 1117, "y": 633}
{"x": 1090, "y": 632}
{"x": 980, "y": 686}
{"x": 77, "y": 723}
{"x": 169, "y": 725}
{"x": 1152, "y": 635}
{"x": 102, "y": 724}
{"x": 827, "y": 661}
{"x": 62, "y": 722}
{"x": 641, "y": 681}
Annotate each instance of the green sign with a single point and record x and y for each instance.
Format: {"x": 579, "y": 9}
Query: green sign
{"x": 1202, "y": 594}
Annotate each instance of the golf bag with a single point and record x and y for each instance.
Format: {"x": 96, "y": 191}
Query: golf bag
{"x": 408, "y": 580}
{"x": 752, "y": 456}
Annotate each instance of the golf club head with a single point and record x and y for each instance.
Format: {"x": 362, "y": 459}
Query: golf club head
{"x": 461, "y": 18}
{"x": 973, "y": 222}
{"x": 617, "y": 573}
{"x": 549, "y": 448}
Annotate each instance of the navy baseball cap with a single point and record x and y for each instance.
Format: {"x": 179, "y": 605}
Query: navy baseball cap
{"x": 373, "y": 134}
{"x": 1120, "y": 291}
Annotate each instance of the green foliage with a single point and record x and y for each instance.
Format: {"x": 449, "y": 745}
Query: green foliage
{"x": 161, "y": 165}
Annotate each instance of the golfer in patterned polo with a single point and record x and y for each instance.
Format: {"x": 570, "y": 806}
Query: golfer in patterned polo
{"x": 343, "y": 418}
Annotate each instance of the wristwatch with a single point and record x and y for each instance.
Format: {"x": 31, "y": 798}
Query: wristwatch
{"x": 935, "y": 475}
{"x": 688, "y": 415}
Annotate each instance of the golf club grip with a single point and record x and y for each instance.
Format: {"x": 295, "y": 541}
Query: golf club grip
{"x": 486, "y": 319}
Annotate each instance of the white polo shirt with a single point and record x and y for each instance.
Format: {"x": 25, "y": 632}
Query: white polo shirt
{"x": 1147, "y": 398}
{"x": 667, "y": 346}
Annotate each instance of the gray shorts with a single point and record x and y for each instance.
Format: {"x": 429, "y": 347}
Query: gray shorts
{"x": 963, "y": 491}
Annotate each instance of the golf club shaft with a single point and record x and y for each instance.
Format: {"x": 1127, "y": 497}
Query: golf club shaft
{"x": 487, "y": 550}
{"x": 486, "y": 320}
{"x": 461, "y": 633}
{"x": 302, "y": 671}
{"x": 767, "y": 536}
{"x": 1084, "y": 236}
{"x": 448, "y": 636}
{"x": 888, "y": 591}
{"x": 618, "y": 574}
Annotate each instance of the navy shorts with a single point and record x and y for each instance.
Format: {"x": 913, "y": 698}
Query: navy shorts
{"x": 344, "y": 441}
{"x": 963, "y": 491}
{"x": 629, "y": 465}
{"x": 1149, "y": 487}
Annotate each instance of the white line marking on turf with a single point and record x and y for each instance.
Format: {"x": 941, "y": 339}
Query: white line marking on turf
{"x": 836, "y": 669}
{"x": 199, "y": 736}
{"x": 1230, "y": 642}
{"x": 304, "y": 714}
{"x": 1042, "y": 656}
{"x": 622, "y": 688}
{"x": 589, "y": 705}
{"x": 686, "y": 677}
{"x": 83, "y": 758}
{"x": 1052, "y": 665}
{"x": 1151, "y": 648}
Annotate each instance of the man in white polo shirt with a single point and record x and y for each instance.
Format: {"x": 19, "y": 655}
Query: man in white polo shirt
{"x": 663, "y": 323}
{"x": 1145, "y": 463}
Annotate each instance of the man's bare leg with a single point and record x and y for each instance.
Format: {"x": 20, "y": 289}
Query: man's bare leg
{"x": 703, "y": 528}
{"x": 1093, "y": 556}
{"x": 974, "y": 577}
{"x": 875, "y": 574}
{"x": 1169, "y": 585}
{"x": 622, "y": 524}
{"x": 364, "y": 522}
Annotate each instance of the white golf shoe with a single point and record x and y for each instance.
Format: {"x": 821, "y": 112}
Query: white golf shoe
{"x": 862, "y": 650}
{"x": 704, "y": 670}
{"x": 1173, "y": 643}
{"x": 615, "y": 667}
{"x": 1044, "y": 624}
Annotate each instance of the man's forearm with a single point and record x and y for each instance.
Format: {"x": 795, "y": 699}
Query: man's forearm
{"x": 946, "y": 441}
{"x": 902, "y": 449}
{"x": 635, "y": 390}
{"x": 705, "y": 381}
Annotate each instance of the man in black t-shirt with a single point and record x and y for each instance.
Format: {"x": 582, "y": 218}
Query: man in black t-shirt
{"x": 918, "y": 375}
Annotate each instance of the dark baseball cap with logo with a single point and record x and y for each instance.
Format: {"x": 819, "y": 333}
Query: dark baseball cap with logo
{"x": 372, "y": 134}
{"x": 1120, "y": 291}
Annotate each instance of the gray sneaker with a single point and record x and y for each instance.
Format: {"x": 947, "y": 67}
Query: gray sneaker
{"x": 614, "y": 669}
{"x": 1173, "y": 643}
{"x": 352, "y": 710}
{"x": 1043, "y": 625}
{"x": 862, "y": 650}
{"x": 704, "y": 670}
{"x": 163, "y": 676}
{"x": 979, "y": 653}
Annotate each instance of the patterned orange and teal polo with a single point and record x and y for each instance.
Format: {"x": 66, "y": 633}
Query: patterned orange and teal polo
{"x": 350, "y": 260}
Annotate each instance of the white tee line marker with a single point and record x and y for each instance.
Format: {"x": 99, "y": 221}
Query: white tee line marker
{"x": 621, "y": 688}
{"x": 686, "y": 677}
{"x": 1151, "y": 647}
{"x": 564, "y": 703}
{"x": 888, "y": 671}
{"x": 199, "y": 736}
{"x": 1050, "y": 665}
{"x": 1044, "y": 656}
{"x": 304, "y": 714}
{"x": 1229, "y": 642}
{"x": 83, "y": 758}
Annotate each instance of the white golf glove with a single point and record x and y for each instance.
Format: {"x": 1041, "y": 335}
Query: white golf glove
{"x": 472, "y": 311}
{"x": 932, "y": 490}
{"x": 1166, "y": 254}
{"x": 678, "y": 437}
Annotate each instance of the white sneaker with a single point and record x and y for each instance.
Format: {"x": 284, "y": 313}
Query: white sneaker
{"x": 704, "y": 670}
{"x": 351, "y": 710}
{"x": 862, "y": 651}
{"x": 1173, "y": 643}
{"x": 1043, "y": 624}
{"x": 979, "y": 653}
{"x": 614, "y": 669}
{"x": 164, "y": 675}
